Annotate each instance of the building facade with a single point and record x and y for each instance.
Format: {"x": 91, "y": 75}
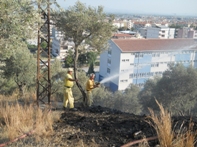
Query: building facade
{"x": 160, "y": 32}
{"x": 134, "y": 61}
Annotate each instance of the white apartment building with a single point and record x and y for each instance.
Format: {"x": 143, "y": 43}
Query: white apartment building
{"x": 134, "y": 61}
{"x": 161, "y": 32}
{"x": 118, "y": 24}
{"x": 129, "y": 24}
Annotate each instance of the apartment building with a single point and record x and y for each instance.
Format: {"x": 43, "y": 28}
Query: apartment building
{"x": 186, "y": 32}
{"x": 134, "y": 61}
{"x": 118, "y": 24}
{"x": 182, "y": 33}
{"x": 161, "y": 32}
{"x": 192, "y": 34}
{"x": 60, "y": 46}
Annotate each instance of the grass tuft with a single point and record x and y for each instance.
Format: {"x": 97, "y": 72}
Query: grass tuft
{"x": 17, "y": 119}
{"x": 166, "y": 136}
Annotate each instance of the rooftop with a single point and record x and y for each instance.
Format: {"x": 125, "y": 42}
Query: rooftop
{"x": 143, "y": 45}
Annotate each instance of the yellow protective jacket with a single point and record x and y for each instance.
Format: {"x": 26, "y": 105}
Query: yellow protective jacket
{"x": 67, "y": 82}
{"x": 90, "y": 85}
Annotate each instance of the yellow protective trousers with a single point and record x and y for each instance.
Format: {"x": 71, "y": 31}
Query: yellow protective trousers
{"x": 89, "y": 100}
{"x": 68, "y": 98}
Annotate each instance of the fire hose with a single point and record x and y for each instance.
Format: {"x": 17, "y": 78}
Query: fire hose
{"x": 139, "y": 141}
{"x": 16, "y": 139}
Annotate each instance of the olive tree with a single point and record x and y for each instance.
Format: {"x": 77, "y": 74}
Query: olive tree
{"x": 176, "y": 90}
{"x": 17, "y": 23}
{"x": 20, "y": 67}
{"x": 85, "y": 26}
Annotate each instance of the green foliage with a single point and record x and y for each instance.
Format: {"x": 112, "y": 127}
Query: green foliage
{"x": 7, "y": 86}
{"x": 102, "y": 97}
{"x": 82, "y": 78}
{"x": 147, "y": 97}
{"x": 123, "y": 29}
{"x": 87, "y": 58}
{"x": 91, "y": 57}
{"x": 177, "y": 26}
{"x": 97, "y": 63}
{"x": 127, "y": 101}
{"x": 57, "y": 76}
{"x": 84, "y": 25}
{"x": 69, "y": 59}
{"x": 31, "y": 46}
{"x": 18, "y": 19}
{"x": 82, "y": 59}
{"x": 20, "y": 66}
{"x": 44, "y": 45}
{"x": 91, "y": 69}
{"x": 176, "y": 90}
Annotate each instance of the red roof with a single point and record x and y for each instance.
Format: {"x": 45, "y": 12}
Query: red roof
{"x": 133, "y": 45}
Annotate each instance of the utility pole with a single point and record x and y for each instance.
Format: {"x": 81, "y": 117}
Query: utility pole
{"x": 43, "y": 81}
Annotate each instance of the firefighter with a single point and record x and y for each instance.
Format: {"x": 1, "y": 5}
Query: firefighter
{"x": 68, "y": 84}
{"x": 90, "y": 84}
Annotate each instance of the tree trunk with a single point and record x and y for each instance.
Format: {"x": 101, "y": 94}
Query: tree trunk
{"x": 75, "y": 76}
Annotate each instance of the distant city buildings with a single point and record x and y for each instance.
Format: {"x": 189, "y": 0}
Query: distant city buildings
{"x": 136, "y": 26}
{"x": 60, "y": 46}
{"x": 186, "y": 32}
{"x": 134, "y": 61}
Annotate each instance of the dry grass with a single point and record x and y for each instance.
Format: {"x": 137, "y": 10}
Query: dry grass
{"x": 166, "y": 136}
{"x": 17, "y": 119}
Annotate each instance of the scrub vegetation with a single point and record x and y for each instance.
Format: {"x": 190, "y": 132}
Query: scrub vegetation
{"x": 114, "y": 117}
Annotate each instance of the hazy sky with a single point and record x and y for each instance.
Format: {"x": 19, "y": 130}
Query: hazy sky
{"x": 170, "y": 7}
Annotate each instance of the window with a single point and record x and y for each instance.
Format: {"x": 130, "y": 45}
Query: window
{"x": 155, "y": 65}
{"x": 109, "y": 61}
{"x": 109, "y": 52}
{"x": 131, "y": 76}
{"x": 155, "y": 55}
{"x": 123, "y": 80}
{"x": 108, "y": 70}
{"x": 123, "y": 60}
{"x": 139, "y": 55}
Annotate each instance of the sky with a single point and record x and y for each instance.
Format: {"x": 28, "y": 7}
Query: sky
{"x": 164, "y": 7}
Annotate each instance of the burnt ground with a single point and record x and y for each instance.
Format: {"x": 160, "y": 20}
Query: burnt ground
{"x": 103, "y": 127}
{"x": 100, "y": 127}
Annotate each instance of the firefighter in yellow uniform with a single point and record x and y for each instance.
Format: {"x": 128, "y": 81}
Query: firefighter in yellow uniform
{"x": 68, "y": 84}
{"x": 90, "y": 84}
